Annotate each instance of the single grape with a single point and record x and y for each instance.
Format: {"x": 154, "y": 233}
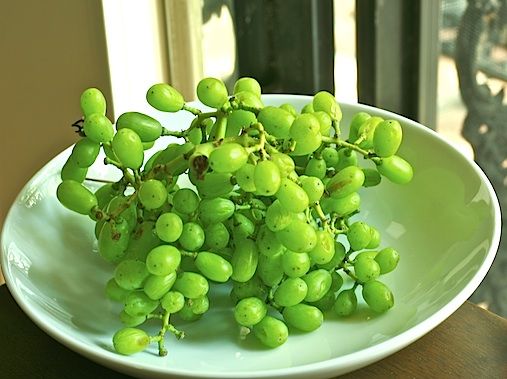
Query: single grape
{"x": 237, "y": 120}
{"x": 308, "y": 108}
{"x": 228, "y": 157}
{"x": 253, "y": 287}
{"x": 396, "y": 169}
{"x": 326, "y": 102}
{"x": 120, "y": 204}
{"x": 268, "y": 243}
{"x": 336, "y": 283}
{"x": 215, "y": 210}
{"x": 345, "y": 182}
{"x": 113, "y": 240}
{"x": 163, "y": 260}
{"x": 316, "y": 167}
{"x": 98, "y": 128}
{"x": 192, "y": 285}
{"x": 318, "y": 282}
{"x": 165, "y": 98}
{"x": 294, "y": 264}
{"x": 278, "y": 217}
{"x": 267, "y": 178}
{"x": 157, "y": 286}
{"x": 142, "y": 241}
{"x": 244, "y": 260}
{"x": 139, "y": 304}
{"x": 284, "y": 163}
{"x": 250, "y": 311}
{"x": 215, "y": 184}
{"x": 114, "y": 292}
{"x": 323, "y": 251}
{"x": 213, "y": 266}
{"x": 242, "y": 226}
{"x": 147, "y": 128}
{"x": 172, "y": 301}
{"x": 304, "y": 126}
{"x": 330, "y": 156}
{"x": 195, "y": 136}
{"x": 71, "y": 171}
{"x": 304, "y": 317}
{"x": 271, "y": 332}
{"x": 245, "y": 177}
{"x": 289, "y": 108}
{"x": 290, "y": 292}
{"x": 131, "y": 274}
{"x": 248, "y": 99}
{"x": 359, "y": 235}
{"x": 171, "y": 158}
{"x": 366, "y": 269}
{"x": 76, "y": 197}
{"x": 269, "y": 269}
{"x": 192, "y": 237}
{"x": 152, "y": 194}
{"x": 131, "y": 321}
{"x": 378, "y": 296}
{"x": 387, "y": 259}
{"x": 92, "y": 101}
{"x": 216, "y": 236}
{"x": 358, "y": 120}
{"x": 105, "y": 194}
{"x": 298, "y": 236}
{"x": 85, "y": 152}
{"x": 187, "y": 314}
{"x": 346, "y": 158}
{"x": 276, "y": 121}
{"x": 371, "y": 177}
{"x": 324, "y": 121}
{"x": 375, "y": 238}
{"x": 366, "y": 132}
{"x": 387, "y": 138}
{"x": 169, "y": 227}
{"x": 249, "y": 85}
{"x": 199, "y": 305}
{"x": 326, "y": 303}
{"x": 342, "y": 206}
{"x": 339, "y": 255}
{"x": 212, "y": 92}
{"x": 346, "y": 303}
{"x": 128, "y": 341}
{"x": 128, "y": 148}
{"x": 185, "y": 200}
{"x": 291, "y": 196}
{"x": 313, "y": 187}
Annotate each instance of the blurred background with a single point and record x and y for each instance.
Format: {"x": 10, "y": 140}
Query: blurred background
{"x": 440, "y": 62}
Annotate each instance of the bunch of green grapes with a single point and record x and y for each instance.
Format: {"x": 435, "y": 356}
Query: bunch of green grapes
{"x": 269, "y": 214}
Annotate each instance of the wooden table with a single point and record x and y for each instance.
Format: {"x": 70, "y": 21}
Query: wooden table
{"x": 472, "y": 343}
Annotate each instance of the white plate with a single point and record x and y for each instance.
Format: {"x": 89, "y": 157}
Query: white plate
{"x": 445, "y": 224}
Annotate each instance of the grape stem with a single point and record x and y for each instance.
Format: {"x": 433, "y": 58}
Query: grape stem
{"x": 189, "y": 254}
{"x": 99, "y": 180}
{"x": 190, "y": 109}
{"x": 167, "y": 132}
{"x": 352, "y": 146}
{"x": 166, "y": 326}
{"x": 127, "y": 175}
{"x": 260, "y": 146}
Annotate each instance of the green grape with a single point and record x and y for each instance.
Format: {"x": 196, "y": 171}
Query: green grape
{"x": 307, "y": 145}
{"x": 242, "y": 226}
{"x": 244, "y": 260}
{"x": 313, "y": 187}
{"x": 378, "y": 296}
{"x": 269, "y": 269}
{"x": 304, "y": 317}
{"x": 358, "y": 120}
{"x": 128, "y": 341}
{"x": 85, "y": 152}
{"x": 308, "y": 108}
{"x": 271, "y": 332}
{"x": 336, "y": 282}
{"x": 108, "y": 151}
{"x": 298, "y": 236}
{"x": 105, "y": 194}
{"x": 291, "y": 196}
{"x": 327, "y": 302}
{"x": 253, "y": 287}
{"x": 163, "y": 260}
{"x": 346, "y": 158}
{"x": 316, "y": 167}
{"x": 128, "y": 148}
{"x": 342, "y": 206}
{"x": 366, "y": 269}
{"x": 138, "y": 304}
{"x": 148, "y": 145}
{"x": 171, "y": 158}
{"x": 289, "y": 108}
{"x": 76, "y": 197}
{"x": 215, "y": 210}
{"x": 131, "y": 321}
{"x": 152, "y": 194}
{"x": 142, "y": 241}
{"x": 115, "y": 292}
{"x": 278, "y": 217}
{"x": 195, "y": 136}
{"x": 172, "y": 301}
{"x": 371, "y": 177}
{"x": 216, "y": 236}
{"x": 375, "y": 238}
{"x": 367, "y": 130}
{"x": 387, "y": 138}
{"x": 339, "y": 255}
{"x": 248, "y": 99}
{"x": 247, "y": 84}
{"x": 131, "y": 274}
{"x": 165, "y": 98}
{"x": 396, "y": 169}
{"x": 228, "y": 157}
{"x": 324, "y": 121}
{"x": 200, "y": 305}
{"x": 192, "y": 285}
{"x": 250, "y": 311}
{"x": 290, "y": 292}
{"x": 323, "y": 251}
{"x": 304, "y": 126}
{"x": 369, "y": 254}
{"x": 319, "y": 282}
{"x": 113, "y": 240}
{"x": 245, "y": 177}
{"x": 169, "y": 227}
{"x": 71, "y": 171}
{"x": 284, "y": 163}
{"x": 212, "y": 92}
{"x": 326, "y": 102}
{"x": 237, "y": 120}
{"x": 213, "y": 266}
{"x": 330, "y": 156}
{"x": 98, "y": 128}
{"x": 185, "y": 201}
{"x": 294, "y": 264}
{"x": 192, "y": 237}
{"x": 268, "y": 243}
{"x": 387, "y": 259}
{"x": 215, "y": 184}
{"x": 267, "y": 178}
{"x": 276, "y": 121}
{"x": 358, "y": 235}
{"x": 148, "y": 166}
{"x": 345, "y": 182}
{"x": 92, "y": 101}
{"x": 346, "y": 303}
{"x": 157, "y": 286}
{"x": 129, "y": 212}
{"x": 147, "y": 128}
{"x": 187, "y": 314}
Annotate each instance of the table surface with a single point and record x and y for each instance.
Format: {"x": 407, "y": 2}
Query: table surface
{"x": 471, "y": 343}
